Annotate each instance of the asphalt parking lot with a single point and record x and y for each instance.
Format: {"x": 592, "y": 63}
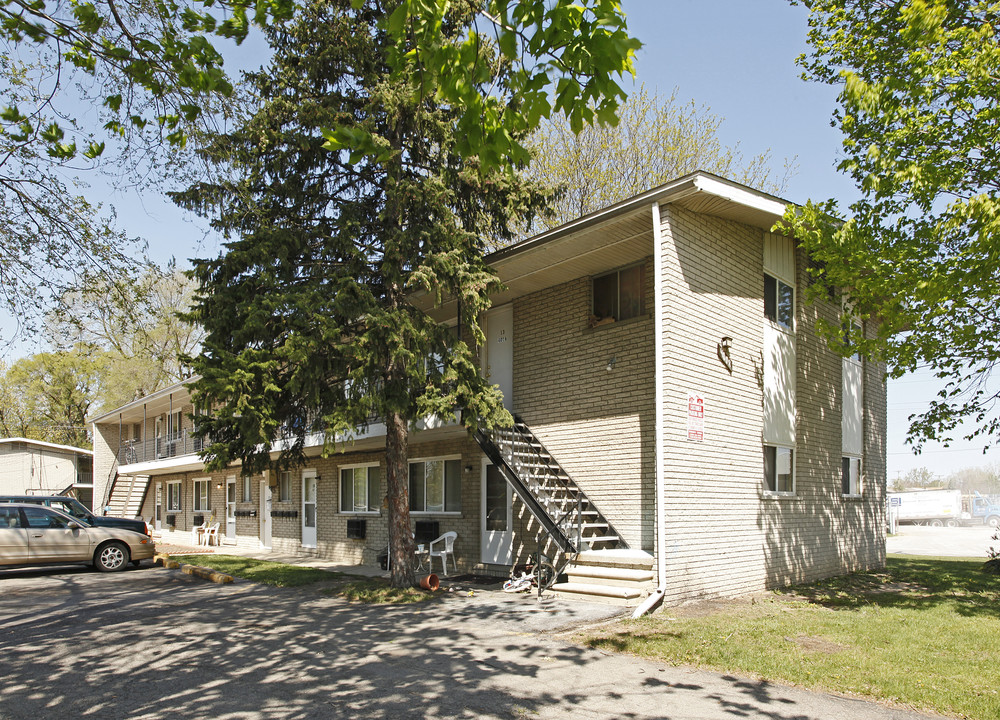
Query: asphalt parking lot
{"x": 971, "y": 542}
{"x": 154, "y": 643}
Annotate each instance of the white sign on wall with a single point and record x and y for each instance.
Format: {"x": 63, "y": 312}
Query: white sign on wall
{"x": 696, "y": 417}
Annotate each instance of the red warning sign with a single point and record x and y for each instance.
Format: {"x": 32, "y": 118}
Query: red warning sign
{"x": 696, "y": 417}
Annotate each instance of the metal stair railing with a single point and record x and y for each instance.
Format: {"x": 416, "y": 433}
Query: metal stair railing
{"x": 112, "y": 479}
{"x": 504, "y": 461}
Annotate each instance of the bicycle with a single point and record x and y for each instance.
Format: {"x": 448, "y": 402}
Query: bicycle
{"x": 534, "y": 575}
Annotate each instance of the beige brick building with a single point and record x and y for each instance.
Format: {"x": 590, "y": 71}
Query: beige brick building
{"x": 676, "y": 410}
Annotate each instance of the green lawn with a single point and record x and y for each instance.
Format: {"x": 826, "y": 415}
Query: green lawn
{"x": 261, "y": 571}
{"x": 349, "y": 587}
{"x": 924, "y": 633}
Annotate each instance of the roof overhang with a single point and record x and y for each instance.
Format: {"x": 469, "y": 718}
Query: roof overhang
{"x": 47, "y": 445}
{"x": 157, "y": 403}
{"x": 613, "y": 237}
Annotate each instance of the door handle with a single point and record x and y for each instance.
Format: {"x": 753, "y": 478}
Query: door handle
{"x": 37, "y": 535}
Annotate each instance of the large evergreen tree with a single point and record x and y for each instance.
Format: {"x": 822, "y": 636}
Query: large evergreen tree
{"x": 308, "y": 317}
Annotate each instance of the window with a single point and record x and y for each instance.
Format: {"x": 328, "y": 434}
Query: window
{"x": 436, "y": 486}
{"x": 10, "y": 517}
{"x": 173, "y": 496}
{"x": 779, "y": 301}
{"x": 285, "y": 486}
{"x": 850, "y": 476}
{"x": 174, "y": 425}
{"x": 201, "y": 494}
{"x": 778, "y": 467}
{"x": 359, "y": 489}
{"x": 619, "y": 295}
{"x": 38, "y": 517}
{"x": 247, "y": 487}
{"x": 856, "y": 355}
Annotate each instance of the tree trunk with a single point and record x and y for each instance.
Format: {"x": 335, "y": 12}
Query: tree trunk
{"x": 401, "y": 561}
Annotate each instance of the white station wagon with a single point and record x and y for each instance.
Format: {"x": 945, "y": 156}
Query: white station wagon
{"x": 37, "y": 535}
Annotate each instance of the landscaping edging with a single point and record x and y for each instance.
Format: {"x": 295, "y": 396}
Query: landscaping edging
{"x": 195, "y": 570}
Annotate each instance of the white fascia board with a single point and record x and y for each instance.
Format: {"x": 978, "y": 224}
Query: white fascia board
{"x": 742, "y": 196}
{"x": 48, "y": 445}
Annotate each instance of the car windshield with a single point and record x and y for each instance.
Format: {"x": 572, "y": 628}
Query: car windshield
{"x": 72, "y": 506}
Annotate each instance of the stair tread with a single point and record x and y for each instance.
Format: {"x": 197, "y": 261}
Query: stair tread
{"x": 610, "y": 572}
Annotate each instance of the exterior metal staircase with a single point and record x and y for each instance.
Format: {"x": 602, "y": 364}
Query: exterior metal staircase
{"x": 565, "y": 513}
{"x": 127, "y": 495}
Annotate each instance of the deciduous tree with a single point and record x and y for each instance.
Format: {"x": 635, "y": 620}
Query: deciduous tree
{"x": 47, "y": 396}
{"x": 77, "y": 78}
{"x": 918, "y": 254}
{"x": 655, "y": 140}
{"x": 136, "y": 326}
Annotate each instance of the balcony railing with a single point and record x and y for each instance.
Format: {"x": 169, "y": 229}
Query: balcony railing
{"x": 160, "y": 448}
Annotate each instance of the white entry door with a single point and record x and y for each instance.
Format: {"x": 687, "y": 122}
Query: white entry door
{"x": 158, "y": 513}
{"x": 497, "y": 520}
{"x": 231, "y": 508}
{"x": 265, "y": 514}
{"x": 309, "y": 508}
{"x": 498, "y": 360}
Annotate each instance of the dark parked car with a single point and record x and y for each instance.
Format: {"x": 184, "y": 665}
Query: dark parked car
{"x": 76, "y": 509}
{"x": 31, "y": 534}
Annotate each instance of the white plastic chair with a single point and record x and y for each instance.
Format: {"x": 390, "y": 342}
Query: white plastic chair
{"x": 198, "y": 531}
{"x": 445, "y": 549}
{"x": 212, "y": 533}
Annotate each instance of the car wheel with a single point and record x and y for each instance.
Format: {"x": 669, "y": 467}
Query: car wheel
{"x": 111, "y": 556}
{"x": 936, "y": 523}
{"x": 952, "y": 523}
{"x": 993, "y": 520}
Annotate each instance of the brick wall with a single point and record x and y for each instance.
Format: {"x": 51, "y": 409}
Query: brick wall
{"x": 331, "y": 532}
{"x": 105, "y": 448}
{"x": 597, "y": 423}
{"x": 723, "y": 535}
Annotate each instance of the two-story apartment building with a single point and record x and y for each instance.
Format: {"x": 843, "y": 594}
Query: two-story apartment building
{"x": 679, "y": 420}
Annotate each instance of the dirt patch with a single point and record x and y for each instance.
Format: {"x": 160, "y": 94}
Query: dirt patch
{"x": 714, "y": 606}
{"x": 813, "y": 644}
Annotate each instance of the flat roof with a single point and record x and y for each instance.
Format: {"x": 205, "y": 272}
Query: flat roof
{"x": 48, "y": 445}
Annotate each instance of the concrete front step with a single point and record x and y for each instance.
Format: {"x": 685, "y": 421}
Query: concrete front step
{"x": 633, "y": 559}
{"x": 607, "y": 594}
{"x": 612, "y": 576}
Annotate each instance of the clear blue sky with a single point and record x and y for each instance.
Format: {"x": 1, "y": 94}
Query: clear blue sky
{"x": 733, "y": 56}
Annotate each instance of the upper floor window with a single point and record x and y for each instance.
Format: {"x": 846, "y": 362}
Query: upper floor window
{"x": 779, "y": 301}
{"x": 618, "y": 295}
{"x": 174, "y": 424}
{"x": 436, "y": 486}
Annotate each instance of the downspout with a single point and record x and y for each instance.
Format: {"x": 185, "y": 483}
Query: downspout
{"x": 656, "y": 597}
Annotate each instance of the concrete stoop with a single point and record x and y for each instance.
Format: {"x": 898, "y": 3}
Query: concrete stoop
{"x": 617, "y": 577}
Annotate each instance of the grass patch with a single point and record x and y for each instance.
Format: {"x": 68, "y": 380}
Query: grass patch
{"x": 349, "y": 587}
{"x": 378, "y": 591}
{"x": 261, "y": 571}
{"x": 925, "y": 633}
